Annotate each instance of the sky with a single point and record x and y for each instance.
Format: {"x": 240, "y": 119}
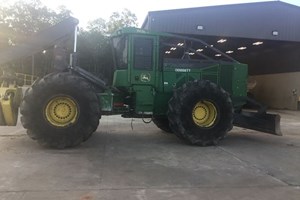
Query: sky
{"x": 88, "y": 10}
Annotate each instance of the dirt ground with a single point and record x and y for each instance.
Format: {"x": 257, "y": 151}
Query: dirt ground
{"x": 143, "y": 163}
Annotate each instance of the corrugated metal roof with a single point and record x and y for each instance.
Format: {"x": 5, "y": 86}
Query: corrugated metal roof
{"x": 273, "y": 20}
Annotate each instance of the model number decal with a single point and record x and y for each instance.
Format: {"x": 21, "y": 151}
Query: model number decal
{"x": 182, "y": 70}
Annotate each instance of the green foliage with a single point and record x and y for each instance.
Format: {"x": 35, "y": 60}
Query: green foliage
{"x": 94, "y": 52}
{"x": 118, "y": 20}
{"x": 98, "y": 26}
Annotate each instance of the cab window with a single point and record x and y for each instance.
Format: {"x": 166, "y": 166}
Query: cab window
{"x": 120, "y": 52}
{"x": 143, "y": 52}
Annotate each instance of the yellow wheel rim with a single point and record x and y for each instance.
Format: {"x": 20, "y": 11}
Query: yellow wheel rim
{"x": 204, "y": 114}
{"x": 61, "y": 111}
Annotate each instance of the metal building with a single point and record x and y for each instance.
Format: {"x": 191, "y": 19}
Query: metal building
{"x": 264, "y": 35}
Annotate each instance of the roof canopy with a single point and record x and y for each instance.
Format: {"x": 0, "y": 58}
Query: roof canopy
{"x": 273, "y": 20}
{"x": 264, "y": 35}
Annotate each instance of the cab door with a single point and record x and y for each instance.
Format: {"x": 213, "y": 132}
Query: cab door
{"x": 143, "y": 64}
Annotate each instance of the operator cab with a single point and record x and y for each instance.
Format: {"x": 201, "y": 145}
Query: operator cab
{"x": 137, "y": 53}
{"x": 135, "y": 56}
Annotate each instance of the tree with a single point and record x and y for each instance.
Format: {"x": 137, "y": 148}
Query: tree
{"x": 94, "y": 51}
{"x": 97, "y": 26}
{"x": 119, "y": 20}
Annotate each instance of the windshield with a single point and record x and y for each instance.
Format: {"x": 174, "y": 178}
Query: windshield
{"x": 120, "y": 52}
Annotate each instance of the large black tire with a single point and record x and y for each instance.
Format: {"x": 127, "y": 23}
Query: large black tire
{"x": 162, "y": 123}
{"x": 200, "y": 113}
{"x": 60, "y": 110}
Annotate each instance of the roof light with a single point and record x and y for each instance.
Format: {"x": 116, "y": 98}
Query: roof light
{"x": 200, "y": 27}
{"x": 229, "y": 52}
{"x": 218, "y": 55}
{"x": 275, "y": 33}
{"x": 242, "y": 48}
{"x": 221, "y": 41}
{"x": 257, "y": 43}
{"x": 167, "y": 52}
{"x": 199, "y": 50}
{"x": 180, "y": 44}
{"x": 173, "y": 48}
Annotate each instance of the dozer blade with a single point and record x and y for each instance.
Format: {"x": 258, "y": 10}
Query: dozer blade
{"x": 264, "y": 122}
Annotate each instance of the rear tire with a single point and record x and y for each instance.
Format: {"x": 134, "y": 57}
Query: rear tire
{"x": 200, "y": 113}
{"x": 162, "y": 123}
{"x": 61, "y": 110}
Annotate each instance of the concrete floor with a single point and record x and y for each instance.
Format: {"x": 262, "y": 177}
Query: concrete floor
{"x": 144, "y": 163}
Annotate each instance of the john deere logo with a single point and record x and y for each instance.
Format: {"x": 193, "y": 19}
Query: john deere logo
{"x": 145, "y": 77}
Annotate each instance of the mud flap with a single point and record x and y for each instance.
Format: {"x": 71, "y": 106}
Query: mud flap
{"x": 264, "y": 122}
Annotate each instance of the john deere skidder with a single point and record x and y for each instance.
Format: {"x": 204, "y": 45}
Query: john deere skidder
{"x": 174, "y": 80}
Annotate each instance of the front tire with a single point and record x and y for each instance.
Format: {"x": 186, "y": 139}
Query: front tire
{"x": 200, "y": 113}
{"x": 60, "y": 110}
